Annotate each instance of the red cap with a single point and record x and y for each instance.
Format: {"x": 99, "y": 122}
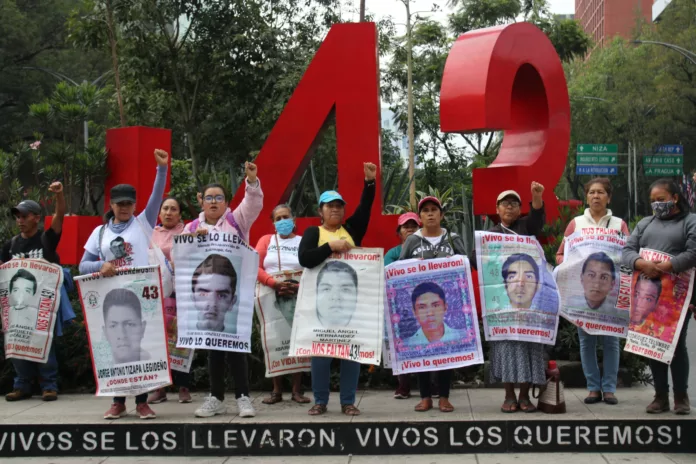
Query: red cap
{"x": 404, "y": 218}
{"x": 431, "y": 199}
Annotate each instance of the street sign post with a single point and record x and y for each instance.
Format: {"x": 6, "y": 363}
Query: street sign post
{"x": 667, "y": 160}
{"x": 663, "y": 172}
{"x": 597, "y": 159}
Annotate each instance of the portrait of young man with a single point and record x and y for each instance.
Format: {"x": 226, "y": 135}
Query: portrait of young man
{"x": 214, "y": 286}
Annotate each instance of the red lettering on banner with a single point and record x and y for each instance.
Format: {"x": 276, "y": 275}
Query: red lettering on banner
{"x": 510, "y": 78}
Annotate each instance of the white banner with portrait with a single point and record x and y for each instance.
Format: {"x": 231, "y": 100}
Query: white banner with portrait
{"x": 124, "y": 315}
{"x": 519, "y": 297}
{"x": 589, "y": 282}
{"x": 330, "y": 320}
{"x": 431, "y": 315}
{"x": 29, "y": 300}
{"x": 180, "y": 359}
{"x": 276, "y": 312}
{"x": 215, "y": 282}
{"x": 658, "y": 308}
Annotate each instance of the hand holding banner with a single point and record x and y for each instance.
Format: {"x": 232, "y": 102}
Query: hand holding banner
{"x": 519, "y": 297}
{"x": 29, "y": 300}
{"x": 431, "y": 315}
{"x": 125, "y": 326}
{"x": 330, "y": 319}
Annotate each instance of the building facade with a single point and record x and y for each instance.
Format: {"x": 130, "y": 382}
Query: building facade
{"x": 603, "y": 20}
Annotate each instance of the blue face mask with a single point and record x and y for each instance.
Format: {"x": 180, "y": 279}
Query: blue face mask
{"x": 284, "y": 226}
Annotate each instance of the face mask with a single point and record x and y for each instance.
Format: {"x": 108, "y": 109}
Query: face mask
{"x": 661, "y": 209}
{"x": 284, "y": 226}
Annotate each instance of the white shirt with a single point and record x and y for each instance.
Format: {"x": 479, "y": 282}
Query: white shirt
{"x": 127, "y": 249}
{"x": 419, "y": 338}
{"x": 289, "y": 260}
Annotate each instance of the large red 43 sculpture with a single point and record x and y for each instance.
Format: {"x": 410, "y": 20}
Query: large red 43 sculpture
{"x": 505, "y": 78}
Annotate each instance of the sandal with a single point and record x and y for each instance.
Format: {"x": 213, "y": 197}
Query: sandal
{"x": 317, "y": 410}
{"x": 275, "y": 397}
{"x": 298, "y": 397}
{"x": 526, "y": 405}
{"x": 350, "y": 410}
{"x": 511, "y": 404}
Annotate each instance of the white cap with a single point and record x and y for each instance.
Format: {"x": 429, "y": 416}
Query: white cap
{"x": 508, "y": 193}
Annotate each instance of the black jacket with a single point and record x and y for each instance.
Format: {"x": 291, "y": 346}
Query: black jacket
{"x": 311, "y": 255}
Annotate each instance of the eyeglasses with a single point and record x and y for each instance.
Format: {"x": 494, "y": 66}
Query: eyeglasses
{"x": 509, "y": 204}
{"x": 217, "y": 198}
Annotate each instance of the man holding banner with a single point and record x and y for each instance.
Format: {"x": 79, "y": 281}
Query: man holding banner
{"x": 35, "y": 243}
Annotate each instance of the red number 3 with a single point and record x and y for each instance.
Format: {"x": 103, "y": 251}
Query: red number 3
{"x": 510, "y": 78}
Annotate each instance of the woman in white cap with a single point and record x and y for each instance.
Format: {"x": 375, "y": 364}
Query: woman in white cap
{"x": 124, "y": 242}
{"x": 318, "y": 244}
{"x": 517, "y": 361}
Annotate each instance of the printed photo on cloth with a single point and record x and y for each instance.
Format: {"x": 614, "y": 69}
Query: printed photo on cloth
{"x": 29, "y": 300}
{"x": 276, "y": 313}
{"x": 658, "y": 309}
{"x": 330, "y": 319}
{"x": 215, "y": 282}
{"x": 180, "y": 359}
{"x": 124, "y": 315}
{"x": 431, "y": 315}
{"x": 519, "y": 297}
{"x": 593, "y": 258}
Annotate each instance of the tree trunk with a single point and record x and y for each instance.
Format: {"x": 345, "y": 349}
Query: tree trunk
{"x": 114, "y": 59}
{"x": 362, "y": 10}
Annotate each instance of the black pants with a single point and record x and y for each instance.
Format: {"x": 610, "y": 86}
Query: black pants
{"x": 679, "y": 366}
{"x": 181, "y": 379}
{"x": 216, "y": 372}
{"x": 443, "y": 383}
{"x": 138, "y": 399}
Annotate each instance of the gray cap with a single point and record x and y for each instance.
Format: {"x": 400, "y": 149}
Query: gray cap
{"x": 122, "y": 192}
{"x": 26, "y": 207}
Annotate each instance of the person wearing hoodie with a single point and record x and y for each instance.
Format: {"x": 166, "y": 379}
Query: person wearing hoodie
{"x": 430, "y": 242}
{"x": 598, "y": 278}
{"x": 515, "y": 361}
{"x": 670, "y": 230}
{"x": 218, "y": 217}
{"x": 317, "y": 245}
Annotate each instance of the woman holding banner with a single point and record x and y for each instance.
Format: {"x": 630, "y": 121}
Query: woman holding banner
{"x": 432, "y": 241}
{"x": 124, "y": 242}
{"x": 278, "y": 253}
{"x": 596, "y": 267}
{"x": 318, "y": 244}
{"x": 518, "y": 361}
{"x": 163, "y": 236}
{"x": 218, "y": 217}
{"x": 670, "y": 230}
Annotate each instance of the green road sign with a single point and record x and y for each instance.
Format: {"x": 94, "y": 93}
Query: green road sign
{"x": 663, "y": 160}
{"x": 660, "y": 172}
{"x": 596, "y": 159}
{"x": 597, "y": 148}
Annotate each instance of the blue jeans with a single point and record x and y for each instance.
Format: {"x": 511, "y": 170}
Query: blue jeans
{"x": 27, "y": 371}
{"x": 588, "y": 356}
{"x": 321, "y": 373}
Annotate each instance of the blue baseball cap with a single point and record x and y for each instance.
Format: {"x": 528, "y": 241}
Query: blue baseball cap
{"x": 329, "y": 196}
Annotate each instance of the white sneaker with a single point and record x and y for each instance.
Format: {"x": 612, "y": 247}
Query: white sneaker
{"x": 211, "y": 407}
{"x": 246, "y": 409}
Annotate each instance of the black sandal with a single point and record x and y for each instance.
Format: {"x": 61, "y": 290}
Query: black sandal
{"x": 275, "y": 397}
{"x": 317, "y": 410}
{"x": 526, "y": 405}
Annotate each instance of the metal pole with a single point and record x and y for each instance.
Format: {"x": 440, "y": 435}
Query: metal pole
{"x": 409, "y": 67}
{"x": 635, "y": 180}
{"x": 630, "y": 191}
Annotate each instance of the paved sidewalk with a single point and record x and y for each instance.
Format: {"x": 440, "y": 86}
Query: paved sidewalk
{"x": 376, "y": 406}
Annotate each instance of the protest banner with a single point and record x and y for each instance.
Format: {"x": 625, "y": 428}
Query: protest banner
{"x": 215, "y": 281}
{"x": 124, "y": 315}
{"x": 180, "y": 359}
{"x": 519, "y": 298}
{"x": 276, "y": 313}
{"x": 431, "y": 315}
{"x": 29, "y": 300}
{"x": 593, "y": 259}
{"x": 658, "y": 308}
{"x": 330, "y": 320}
